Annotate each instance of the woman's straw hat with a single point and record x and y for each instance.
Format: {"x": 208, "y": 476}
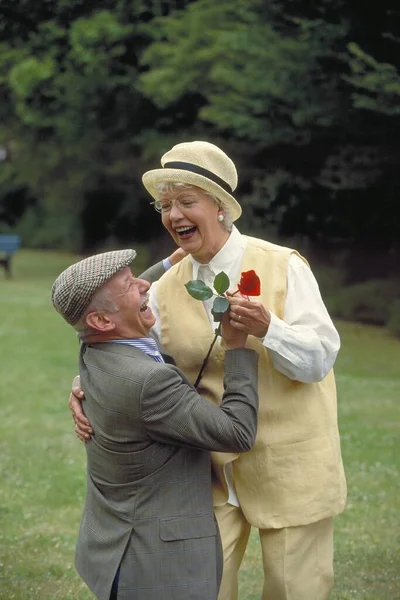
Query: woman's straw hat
{"x": 201, "y": 164}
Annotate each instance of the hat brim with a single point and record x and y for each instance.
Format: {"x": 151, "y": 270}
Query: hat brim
{"x": 152, "y": 178}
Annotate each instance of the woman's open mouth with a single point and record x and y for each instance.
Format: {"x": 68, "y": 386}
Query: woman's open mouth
{"x": 185, "y": 232}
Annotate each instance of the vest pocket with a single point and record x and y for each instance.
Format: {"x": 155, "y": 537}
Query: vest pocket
{"x": 184, "y": 528}
{"x": 304, "y": 472}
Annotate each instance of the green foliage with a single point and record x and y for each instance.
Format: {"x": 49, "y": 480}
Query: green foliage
{"x": 65, "y": 91}
{"x": 67, "y": 106}
{"x": 220, "y": 305}
{"x": 221, "y": 283}
{"x": 393, "y": 323}
{"x": 28, "y": 78}
{"x": 198, "y": 289}
{"x": 255, "y": 82}
{"x": 374, "y": 302}
{"x": 377, "y": 84}
{"x": 303, "y": 96}
{"x": 283, "y": 82}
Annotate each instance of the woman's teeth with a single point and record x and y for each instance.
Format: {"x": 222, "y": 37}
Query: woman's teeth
{"x": 185, "y": 230}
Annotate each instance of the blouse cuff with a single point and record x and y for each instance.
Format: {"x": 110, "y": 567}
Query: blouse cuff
{"x": 274, "y": 335}
{"x": 167, "y": 263}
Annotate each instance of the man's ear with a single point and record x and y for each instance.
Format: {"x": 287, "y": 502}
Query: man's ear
{"x": 100, "y": 321}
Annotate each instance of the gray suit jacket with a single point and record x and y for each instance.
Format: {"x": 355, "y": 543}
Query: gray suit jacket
{"x": 149, "y": 501}
{"x": 153, "y": 273}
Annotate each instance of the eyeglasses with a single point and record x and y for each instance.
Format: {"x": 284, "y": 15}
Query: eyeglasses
{"x": 164, "y": 206}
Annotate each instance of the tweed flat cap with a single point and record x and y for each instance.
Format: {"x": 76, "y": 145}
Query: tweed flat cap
{"x": 74, "y": 288}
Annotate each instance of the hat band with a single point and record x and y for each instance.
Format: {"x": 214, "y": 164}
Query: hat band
{"x": 199, "y": 171}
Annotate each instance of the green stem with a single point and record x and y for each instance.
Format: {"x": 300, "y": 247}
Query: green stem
{"x": 203, "y": 366}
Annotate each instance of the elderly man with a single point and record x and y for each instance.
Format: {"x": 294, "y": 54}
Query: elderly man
{"x": 292, "y": 482}
{"x": 148, "y": 530}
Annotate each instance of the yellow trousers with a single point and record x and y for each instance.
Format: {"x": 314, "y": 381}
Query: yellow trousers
{"x": 298, "y": 561}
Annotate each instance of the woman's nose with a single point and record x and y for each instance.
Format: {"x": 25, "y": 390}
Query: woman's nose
{"x": 175, "y": 212}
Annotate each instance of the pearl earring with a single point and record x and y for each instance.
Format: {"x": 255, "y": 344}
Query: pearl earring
{"x": 220, "y": 218}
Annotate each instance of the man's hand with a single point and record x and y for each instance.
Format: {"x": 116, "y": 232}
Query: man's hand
{"x": 249, "y": 316}
{"x": 233, "y": 337}
{"x": 82, "y": 425}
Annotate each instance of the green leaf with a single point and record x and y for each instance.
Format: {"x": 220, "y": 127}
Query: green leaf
{"x": 220, "y": 305}
{"x": 198, "y": 289}
{"x": 217, "y": 316}
{"x": 221, "y": 283}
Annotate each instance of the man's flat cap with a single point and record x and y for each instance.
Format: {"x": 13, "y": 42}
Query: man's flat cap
{"x": 75, "y": 287}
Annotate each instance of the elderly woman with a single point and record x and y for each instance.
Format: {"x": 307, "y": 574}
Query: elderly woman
{"x": 291, "y": 484}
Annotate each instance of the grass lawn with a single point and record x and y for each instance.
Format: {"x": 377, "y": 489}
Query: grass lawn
{"x": 42, "y": 463}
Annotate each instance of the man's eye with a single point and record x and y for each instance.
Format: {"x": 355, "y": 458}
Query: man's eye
{"x": 187, "y": 202}
{"x": 165, "y": 206}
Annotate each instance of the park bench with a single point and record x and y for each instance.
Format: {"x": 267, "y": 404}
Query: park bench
{"x": 8, "y": 245}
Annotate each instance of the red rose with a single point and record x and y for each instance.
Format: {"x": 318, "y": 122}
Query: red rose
{"x": 250, "y": 284}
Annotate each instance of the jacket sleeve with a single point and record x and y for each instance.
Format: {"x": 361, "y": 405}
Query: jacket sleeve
{"x": 153, "y": 273}
{"x": 174, "y": 413}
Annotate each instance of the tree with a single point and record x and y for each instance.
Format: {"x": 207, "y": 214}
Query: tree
{"x": 303, "y": 95}
{"x": 71, "y": 113}
{"x": 257, "y": 83}
{"x": 310, "y": 90}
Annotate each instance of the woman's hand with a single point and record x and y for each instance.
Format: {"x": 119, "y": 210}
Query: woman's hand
{"x": 82, "y": 426}
{"x": 249, "y": 316}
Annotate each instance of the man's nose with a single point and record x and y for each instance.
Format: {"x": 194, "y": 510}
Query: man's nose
{"x": 144, "y": 286}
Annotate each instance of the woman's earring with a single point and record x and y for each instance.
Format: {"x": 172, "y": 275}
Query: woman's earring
{"x": 220, "y": 218}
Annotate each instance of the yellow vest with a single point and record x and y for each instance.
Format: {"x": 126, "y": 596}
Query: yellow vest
{"x": 294, "y": 473}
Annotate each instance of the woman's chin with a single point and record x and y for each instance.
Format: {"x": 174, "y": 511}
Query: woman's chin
{"x": 189, "y": 244}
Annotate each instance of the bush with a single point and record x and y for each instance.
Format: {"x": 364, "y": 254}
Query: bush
{"x": 371, "y": 302}
{"x": 393, "y": 323}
